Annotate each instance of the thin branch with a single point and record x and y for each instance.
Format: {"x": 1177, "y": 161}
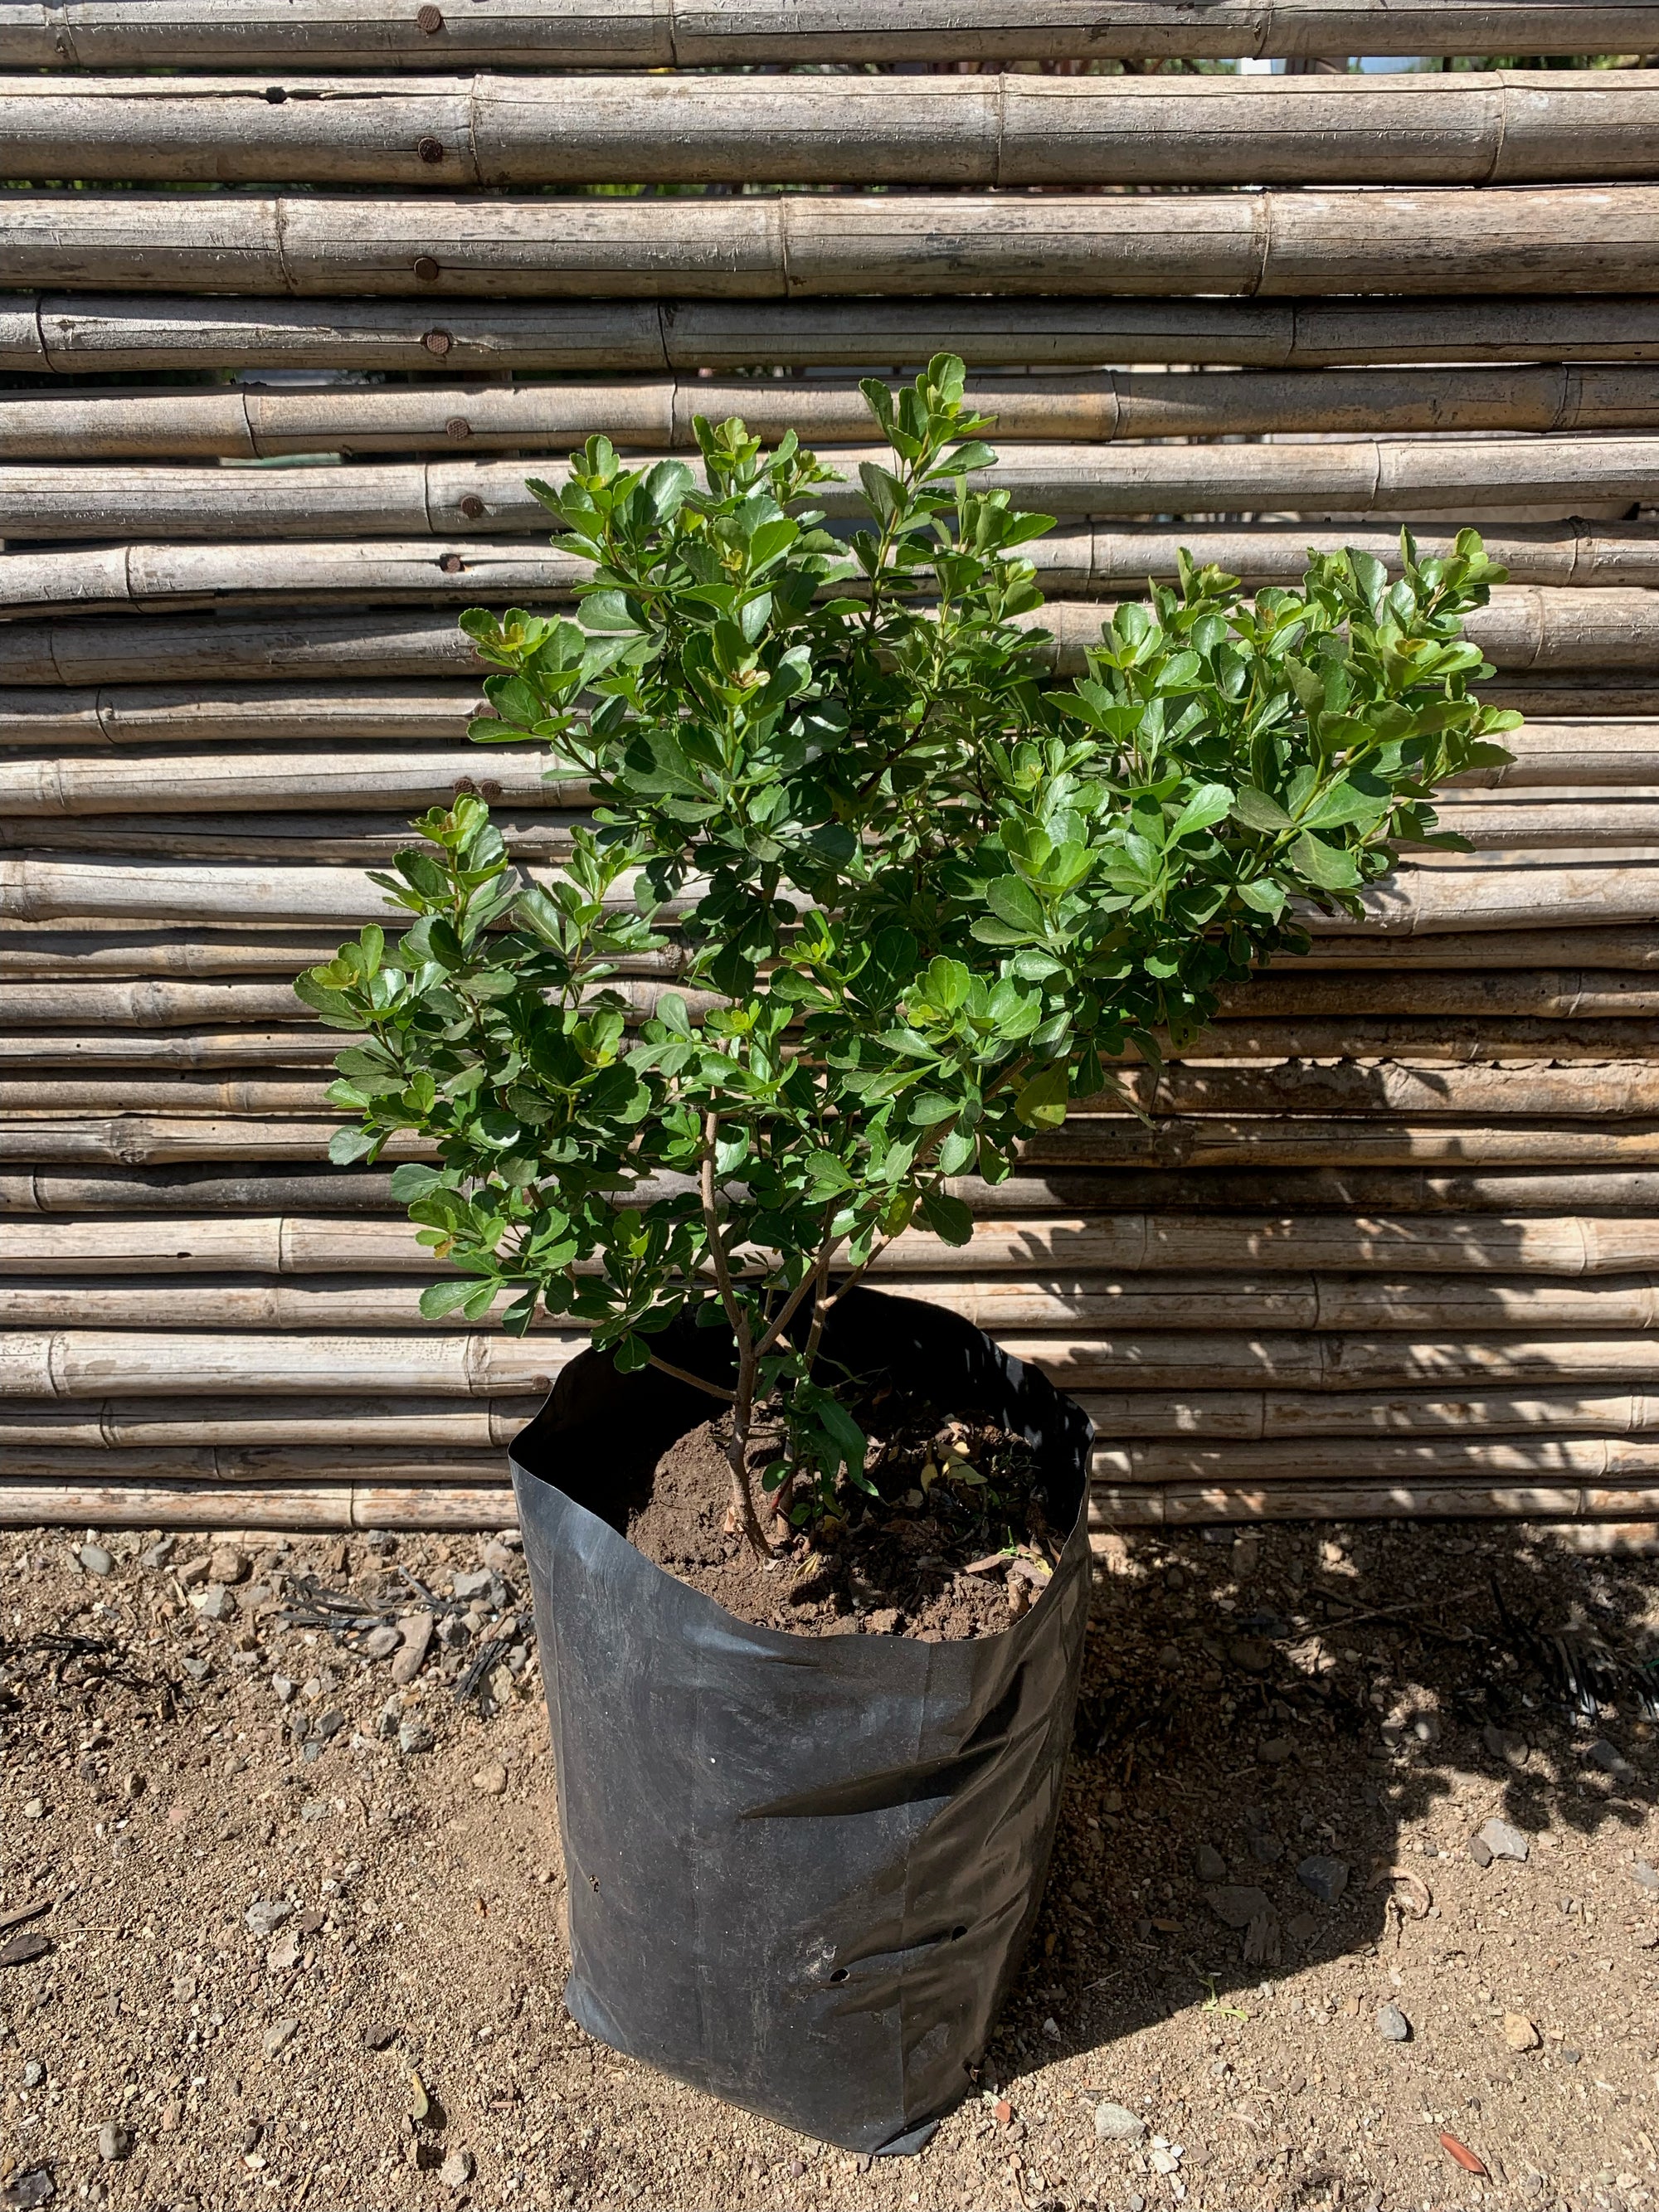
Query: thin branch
{"x": 697, "y": 1382}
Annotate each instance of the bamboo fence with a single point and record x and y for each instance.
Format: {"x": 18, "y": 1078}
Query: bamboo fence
{"x": 653, "y": 35}
{"x": 1382, "y": 1241}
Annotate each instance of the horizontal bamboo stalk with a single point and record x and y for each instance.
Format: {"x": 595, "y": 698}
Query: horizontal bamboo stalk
{"x": 475, "y": 499}
{"x": 1553, "y": 1458}
{"x": 127, "y": 332}
{"x": 251, "y": 422}
{"x": 1078, "y": 559}
{"x": 1613, "y": 1089}
{"x": 82, "y": 1360}
{"x": 195, "y": 810}
{"x": 235, "y": 1466}
{"x": 168, "y": 1190}
{"x": 1528, "y": 629}
{"x": 260, "y": 1189}
{"x": 37, "y": 950}
{"x": 998, "y": 131}
{"x": 1199, "y": 1303}
{"x": 220, "y": 714}
{"x": 297, "y": 1045}
{"x": 1279, "y": 1016}
{"x": 136, "y": 1140}
{"x": 393, "y": 1427}
{"x": 63, "y": 1498}
{"x": 664, "y": 33}
{"x": 1295, "y": 993}
{"x": 1520, "y": 972}
{"x": 1200, "y": 1141}
{"x": 299, "y": 1042}
{"x": 1176, "y": 1505}
{"x": 1633, "y": 950}
{"x": 1219, "y": 1417}
{"x": 331, "y": 841}
{"x": 1534, "y": 238}
{"x": 1115, "y": 1244}
{"x": 399, "y": 1426}
{"x": 92, "y": 784}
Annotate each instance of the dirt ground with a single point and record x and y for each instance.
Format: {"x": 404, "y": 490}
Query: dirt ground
{"x": 301, "y": 1942}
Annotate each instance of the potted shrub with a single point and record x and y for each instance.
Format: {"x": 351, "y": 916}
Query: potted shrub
{"x": 918, "y": 897}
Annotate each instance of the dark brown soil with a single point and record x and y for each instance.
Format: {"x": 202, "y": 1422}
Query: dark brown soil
{"x": 897, "y": 1565}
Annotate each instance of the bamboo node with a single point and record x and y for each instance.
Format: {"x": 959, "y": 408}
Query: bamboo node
{"x": 426, "y": 268}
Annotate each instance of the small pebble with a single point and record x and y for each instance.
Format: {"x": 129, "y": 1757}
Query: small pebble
{"x": 1326, "y": 1878}
{"x": 266, "y": 1915}
{"x": 1503, "y": 1840}
{"x": 1646, "y": 1874}
{"x": 1208, "y": 1863}
{"x": 216, "y": 1603}
{"x": 1609, "y": 1758}
{"x": 1392, "y": 2024}
{"x": 413, "y": 1736}
{"x": 380, "y": 2035}
{"x": 1236, "y": 1904}
{"x": 1276, "y": 1750}
{"x": 491, "y": 1779}
{"x": 457, "y": 2170}
{"x": 474, "y": 1585}
{"x": 380, "y": 1643}
{"x": 96, "y": 1559}
{"x": 1519, "y": 2032}
{"x": 159, "y": 1553}
{"x": 1117, "y": 2123}
{"x": 27, "y": 2190}
{"x": 226, "y": 1563}
{"x": 279, "y": 2033}
{"x": 415, "y": 1630}
{"x": 114, "y": 2142}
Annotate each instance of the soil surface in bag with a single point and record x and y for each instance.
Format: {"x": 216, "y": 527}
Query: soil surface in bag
{"x": 957, "y": 1545}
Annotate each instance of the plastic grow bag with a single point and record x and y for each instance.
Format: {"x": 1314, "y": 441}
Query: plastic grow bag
{"x": 801, "y": 1869}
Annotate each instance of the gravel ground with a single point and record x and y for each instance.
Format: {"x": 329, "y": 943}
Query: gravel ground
{"x": 301, "y": 1936}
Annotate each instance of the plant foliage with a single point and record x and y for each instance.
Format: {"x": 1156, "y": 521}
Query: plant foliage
{"x": 920, "y": 892}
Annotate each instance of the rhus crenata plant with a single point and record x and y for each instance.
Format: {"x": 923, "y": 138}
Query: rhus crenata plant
{"x": 919, "y": 893}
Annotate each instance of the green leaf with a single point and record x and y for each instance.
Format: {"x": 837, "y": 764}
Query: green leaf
{"x": 1257, "y": 812}
{"x": 1013, "y": 901}
{"x": 1041, "y": 1101}
{"x": 947, "y": 1217}
{"x": 1327, "y": 865}
{"x": 439, "y": 1299}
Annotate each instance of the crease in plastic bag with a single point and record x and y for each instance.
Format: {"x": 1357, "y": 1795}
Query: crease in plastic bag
{"x": 801, "y": 1869}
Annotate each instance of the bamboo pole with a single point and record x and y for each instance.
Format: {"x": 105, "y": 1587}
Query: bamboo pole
{"x": 1113, "y": 1243}
{"x": 1199, "y": 1303}
{"x": 63, "y": 1499}
{"x": 252, "y": 1464}
{"x": 123, "y": 332}
{"x": 220, "y": 714}
{"x": 1228, "y": 1417}
{"x": 1222, "y": 1141}
{"x": 208, "y": 783}
{"x": 297, "y": 1045}
{"x": 1595, "y": 1459}
{"x": 146, "y": 423}
{"x": 1530, "y": 628}
{"x": 396, "y": 1427}
{"x": 41, "y": 951}
{"x": 1076, "y": 560}
{"x": 82, "y": 1361}
{"x": 393, "y": 1427}
{"x": 1292, "y": 993}
{"x": 1607, "y": 948}
{"x": 260, "y": 1189}
{"x": 136, "y": 1140}
{"x": 468, "y": 499}
{"x": 165, "y": 1190}
{"x": 662, "y": 33}
{"x": 1125, "y": 1505}
{"x": 1501, "y": 127}
{"x": 325, "y": 839}
{"x": 1388, "y": 1089}
{"x": 1276, "y": 243}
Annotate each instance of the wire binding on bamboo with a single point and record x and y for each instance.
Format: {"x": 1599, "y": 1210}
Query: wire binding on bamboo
{"x": 129, "y": 332}
{"x": 1275, "y": 242}
{"x": 999, "y": 131}
{"x": 254, "y": 422}
{"x": 653, "y": 35}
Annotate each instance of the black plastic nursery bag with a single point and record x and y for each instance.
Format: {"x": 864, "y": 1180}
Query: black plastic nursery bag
{"x": 802, "y": 1869}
